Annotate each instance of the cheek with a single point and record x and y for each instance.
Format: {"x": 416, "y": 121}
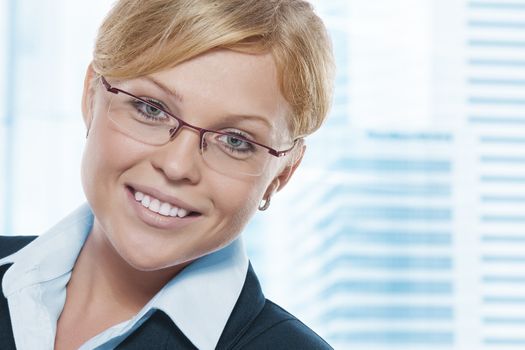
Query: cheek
{"x": 236, "y": 202}
{"x": 247, "y": 208}
{"x": 107, "y": 154}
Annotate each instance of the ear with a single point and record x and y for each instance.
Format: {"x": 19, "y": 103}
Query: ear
{"x": 87, "y": 96}
{"x": 284, "y": 176}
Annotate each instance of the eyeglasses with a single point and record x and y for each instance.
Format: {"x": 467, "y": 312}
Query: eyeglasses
{"x": 230, "y": 152}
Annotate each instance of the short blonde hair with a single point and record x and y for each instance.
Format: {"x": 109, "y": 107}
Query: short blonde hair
{"x": 141, "y": 37}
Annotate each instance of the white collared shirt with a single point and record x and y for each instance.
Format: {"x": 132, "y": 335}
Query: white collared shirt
{"x": 199, "y": 300}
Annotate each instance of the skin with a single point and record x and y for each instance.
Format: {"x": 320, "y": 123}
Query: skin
{"x": 125, "y": 261}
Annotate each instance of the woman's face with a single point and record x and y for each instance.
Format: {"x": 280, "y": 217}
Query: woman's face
{"x": 210, "y": 91}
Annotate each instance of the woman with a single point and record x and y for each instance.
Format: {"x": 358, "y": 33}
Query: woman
{"x": 195, "y": 112}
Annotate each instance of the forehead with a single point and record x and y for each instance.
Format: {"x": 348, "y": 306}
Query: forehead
{"x": 227, "y": 84}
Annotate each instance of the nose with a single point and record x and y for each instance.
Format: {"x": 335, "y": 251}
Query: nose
{"x": 179, "y": 159}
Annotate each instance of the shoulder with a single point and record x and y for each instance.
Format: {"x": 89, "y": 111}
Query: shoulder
{"x": 275, "y": 328}
{"x": 12, "y": 244}
{"x": 257, "y": 323}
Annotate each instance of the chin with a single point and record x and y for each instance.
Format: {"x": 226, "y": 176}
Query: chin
{"x": 146, "y": 263}
{"x": 153, "y": 260}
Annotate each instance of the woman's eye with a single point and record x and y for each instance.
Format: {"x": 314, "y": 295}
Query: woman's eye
{"x": 150, "y": 111}
{"x": 236, "y": 143}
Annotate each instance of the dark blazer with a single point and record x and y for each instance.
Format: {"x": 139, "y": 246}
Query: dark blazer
{"x": 255, "y": 322}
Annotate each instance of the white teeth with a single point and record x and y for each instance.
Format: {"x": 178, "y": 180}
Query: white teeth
{"x": 154, "y": 205}
{"x": 182, "y": 213}
{"x": 159, "y": 207}
{"x": 139, "y": 196}
{"x": 146, "y": 201}
{"x": 165, "y": 209}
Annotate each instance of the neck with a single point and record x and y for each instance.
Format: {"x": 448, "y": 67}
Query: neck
{"x": 102, "y": 277}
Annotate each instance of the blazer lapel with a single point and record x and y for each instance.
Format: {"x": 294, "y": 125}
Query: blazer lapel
{"x": 8, "y": 246}
{"x": 248, "y": 306}
{"x": 7, "y": 340}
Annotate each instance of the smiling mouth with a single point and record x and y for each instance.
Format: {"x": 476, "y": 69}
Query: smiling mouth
{"x": 157, "y": 206}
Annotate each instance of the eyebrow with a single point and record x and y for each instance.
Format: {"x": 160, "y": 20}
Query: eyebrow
{"x": 239, "y": 118}
{"x": 164, "y": 88}
{"x": 228, "y": 119}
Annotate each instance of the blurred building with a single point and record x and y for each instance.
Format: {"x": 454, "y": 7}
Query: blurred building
{"x": 405, "y": 227}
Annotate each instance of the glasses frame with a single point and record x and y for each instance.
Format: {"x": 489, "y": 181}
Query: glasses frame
{"x": 201, "y": 131}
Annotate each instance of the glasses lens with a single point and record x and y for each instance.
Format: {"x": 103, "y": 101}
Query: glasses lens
{"x": 142, "y": 120}
{"x": 232, "y": 155}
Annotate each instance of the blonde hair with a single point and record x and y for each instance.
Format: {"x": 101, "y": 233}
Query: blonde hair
{"x": 141, "y": 37}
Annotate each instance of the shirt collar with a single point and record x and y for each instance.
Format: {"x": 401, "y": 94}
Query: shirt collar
{"x": 199, "y": 300}
{"x": 50, "y": 255}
